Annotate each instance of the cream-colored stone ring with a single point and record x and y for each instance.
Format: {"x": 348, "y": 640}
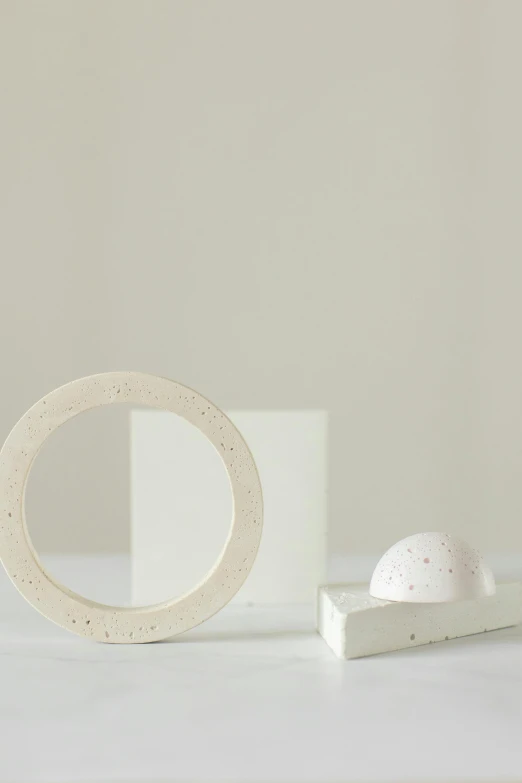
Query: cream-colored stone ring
{"x": 123, "y": 625}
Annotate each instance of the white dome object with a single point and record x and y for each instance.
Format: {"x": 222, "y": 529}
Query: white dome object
{"x": 431, "y": 568}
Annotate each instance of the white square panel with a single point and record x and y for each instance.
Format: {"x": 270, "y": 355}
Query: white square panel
{"x": 181, "y": 505}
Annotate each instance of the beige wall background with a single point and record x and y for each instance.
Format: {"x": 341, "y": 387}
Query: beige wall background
{"x": 284, "y": 204}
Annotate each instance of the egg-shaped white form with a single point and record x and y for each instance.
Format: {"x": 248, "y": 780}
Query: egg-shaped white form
{"x": 431, "y": 568}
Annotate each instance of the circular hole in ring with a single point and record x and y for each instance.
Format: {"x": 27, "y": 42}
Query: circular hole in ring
{"x": 117, "y": 505}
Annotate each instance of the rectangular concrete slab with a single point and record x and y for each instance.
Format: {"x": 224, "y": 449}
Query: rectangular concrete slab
{"x": 354, "y": 624}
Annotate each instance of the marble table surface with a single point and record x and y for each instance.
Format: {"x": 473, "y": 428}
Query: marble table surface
{"x": 253, "y": 695}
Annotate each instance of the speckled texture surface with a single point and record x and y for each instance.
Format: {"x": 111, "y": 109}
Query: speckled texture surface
{"x": 355, "y": 624}
{"x": 108, "y": 623}
{"x": 431, "y": 568}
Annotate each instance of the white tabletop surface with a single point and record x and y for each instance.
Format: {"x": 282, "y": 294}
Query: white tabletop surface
{"x": 253, "y": 695}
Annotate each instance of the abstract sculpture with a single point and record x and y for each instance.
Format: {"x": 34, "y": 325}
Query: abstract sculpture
{"x": 107, "y": 623}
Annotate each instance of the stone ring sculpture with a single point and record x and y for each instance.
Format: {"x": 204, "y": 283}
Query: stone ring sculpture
{"x": 124, "y": 625}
